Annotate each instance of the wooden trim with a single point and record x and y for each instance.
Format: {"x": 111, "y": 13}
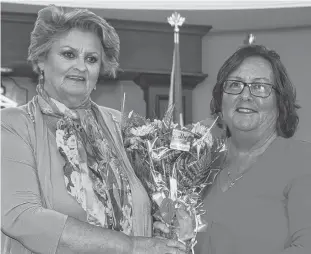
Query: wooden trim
{"x": 158, "y": 27}
{"x": 141, "y": 77}
{"x": 189, "y": 80}
{"x": 129, "y": 25}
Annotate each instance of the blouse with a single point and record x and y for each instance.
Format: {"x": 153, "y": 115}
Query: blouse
{"x": 268, "y": 210}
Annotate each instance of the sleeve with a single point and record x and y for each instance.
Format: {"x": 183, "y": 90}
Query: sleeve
{"x": 298, "y": 194}
{"x": 23, "y": 216}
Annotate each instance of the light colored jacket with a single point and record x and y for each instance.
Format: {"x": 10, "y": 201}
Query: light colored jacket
{"x": 33, "y": 212}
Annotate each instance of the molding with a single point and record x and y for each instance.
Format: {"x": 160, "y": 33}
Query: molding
{"x": 189, "y": 80}
{"x": 171, "y": 5}
{"x": 259, "y": 30}
{"x": 158, "y": 27}
{"x": 127, "y": 25}
{"x": 14, "y": 17}
{"x": 143, "y": 78}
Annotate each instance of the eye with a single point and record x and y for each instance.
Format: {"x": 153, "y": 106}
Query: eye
{"x": 68, "y": 54}
{"x": 234, "y": 84}
{"x": 259, "y": 86}
{"x": 92, "y": 59}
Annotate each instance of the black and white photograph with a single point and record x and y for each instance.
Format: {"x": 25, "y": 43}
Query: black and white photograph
{"x": 155, "y": 127}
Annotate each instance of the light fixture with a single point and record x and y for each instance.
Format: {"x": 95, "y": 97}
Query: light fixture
{"x": 5, "y": 102}
{"x": 6, "y": 70}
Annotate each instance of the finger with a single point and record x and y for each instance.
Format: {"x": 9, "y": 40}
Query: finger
{"x": 176, "y": 244}
{"x": 161, "y": 226}
{"x": 183, "y": 214}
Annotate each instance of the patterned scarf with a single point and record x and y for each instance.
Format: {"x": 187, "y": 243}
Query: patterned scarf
{"x": 93, "y": 174}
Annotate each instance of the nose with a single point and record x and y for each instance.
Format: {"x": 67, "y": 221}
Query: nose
{"x": 80, "y": 65}
{"x": 246, "y": 93}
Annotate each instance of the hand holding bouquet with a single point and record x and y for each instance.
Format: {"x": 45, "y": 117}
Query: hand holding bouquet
{"x": 175, "y": 165}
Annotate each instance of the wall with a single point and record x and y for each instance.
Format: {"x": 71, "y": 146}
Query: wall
{"x": 144, "y": 46}
{"x": 294, "y": 48}
{"x": 108, "y": 94}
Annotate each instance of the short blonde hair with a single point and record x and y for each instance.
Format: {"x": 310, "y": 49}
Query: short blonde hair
{"x": 53, "y": 21}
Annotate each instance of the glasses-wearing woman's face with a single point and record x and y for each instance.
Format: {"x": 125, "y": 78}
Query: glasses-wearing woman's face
{"x": 249, "y": 101}
{"x": 72, "y": 66}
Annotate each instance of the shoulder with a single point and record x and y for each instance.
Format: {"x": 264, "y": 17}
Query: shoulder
{"x": 299, "y": 187}
{"x": 294, "y": 149}
{"x": 15, "y": 117}
{"x": 292, "y": 159}
{"x": 17, "y": 122}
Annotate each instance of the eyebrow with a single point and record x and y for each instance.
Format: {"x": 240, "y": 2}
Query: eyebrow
{"x": 264, "y": 79}
{"x": 77, "y": 50}
{"x": 255, "y": 79}
{"x": 235, "y": 78}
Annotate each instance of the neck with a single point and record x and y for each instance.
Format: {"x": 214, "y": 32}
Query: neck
{"x": 71, "y": 102}
{"x": 245, "y": 149}
{"x": 248, "y": 143}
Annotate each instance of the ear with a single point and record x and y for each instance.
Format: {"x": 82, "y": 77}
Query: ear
{"x": 41, "y": 63}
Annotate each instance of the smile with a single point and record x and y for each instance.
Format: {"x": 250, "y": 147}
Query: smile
{"x": 245, "y": 110}
{"x": 76, "y": 78}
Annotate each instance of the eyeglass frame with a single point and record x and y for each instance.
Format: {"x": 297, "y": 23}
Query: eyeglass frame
{"x": 249, "y": 84}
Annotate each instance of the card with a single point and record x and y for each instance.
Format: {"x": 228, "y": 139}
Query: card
{"x": 181, "y": 140}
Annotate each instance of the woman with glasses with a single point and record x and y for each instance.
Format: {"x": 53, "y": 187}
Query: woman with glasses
{"x": 260, "y": 202}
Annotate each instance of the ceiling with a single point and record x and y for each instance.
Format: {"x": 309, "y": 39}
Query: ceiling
{"x": 222, "y": 17}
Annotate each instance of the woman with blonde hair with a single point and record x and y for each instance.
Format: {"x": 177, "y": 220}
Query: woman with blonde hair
{"x": 67, "y": 185}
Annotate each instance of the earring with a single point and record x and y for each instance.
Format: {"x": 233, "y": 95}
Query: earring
{"x": 220, "y": 115}
{"x": 94, "y": 87}
{"x": 41, "y": 77}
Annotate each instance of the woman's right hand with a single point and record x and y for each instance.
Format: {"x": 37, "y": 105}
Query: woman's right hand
{"x": 152, "y": 245}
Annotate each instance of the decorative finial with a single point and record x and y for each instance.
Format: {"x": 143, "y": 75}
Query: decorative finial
{"x": 250, "y": 39}
{"x": 176, "y": 20}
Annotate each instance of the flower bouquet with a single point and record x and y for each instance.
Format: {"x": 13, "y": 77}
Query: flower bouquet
{"x": 175, "y": 164}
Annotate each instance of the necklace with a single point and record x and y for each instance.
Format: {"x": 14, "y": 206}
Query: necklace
{"x": 231, "y": 182}
{"x": 252, "y": 158}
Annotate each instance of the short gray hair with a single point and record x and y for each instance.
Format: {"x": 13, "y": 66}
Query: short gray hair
{"x": 53, "y": 21}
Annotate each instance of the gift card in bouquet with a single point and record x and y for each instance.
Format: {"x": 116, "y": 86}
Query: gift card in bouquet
{"x": 181, "y": 140}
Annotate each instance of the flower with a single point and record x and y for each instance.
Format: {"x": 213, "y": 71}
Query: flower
{"x": 208, "y": 139}
{"x": 158, "y": 163}
{"x": 199, "y": 129}
{"x": 142, "y": 130}
{"x": 60, "y": 138}
{"x": 72, "y": 142}
{"x": 157, "y": 123}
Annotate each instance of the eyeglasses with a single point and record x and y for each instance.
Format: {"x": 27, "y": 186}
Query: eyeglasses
{"x": 257, "y": 89}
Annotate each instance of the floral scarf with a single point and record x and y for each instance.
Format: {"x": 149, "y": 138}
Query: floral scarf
{"x": 93, "y": 174}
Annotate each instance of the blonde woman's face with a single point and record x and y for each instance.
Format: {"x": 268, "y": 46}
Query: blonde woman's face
{"x": 72, "y": 66}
